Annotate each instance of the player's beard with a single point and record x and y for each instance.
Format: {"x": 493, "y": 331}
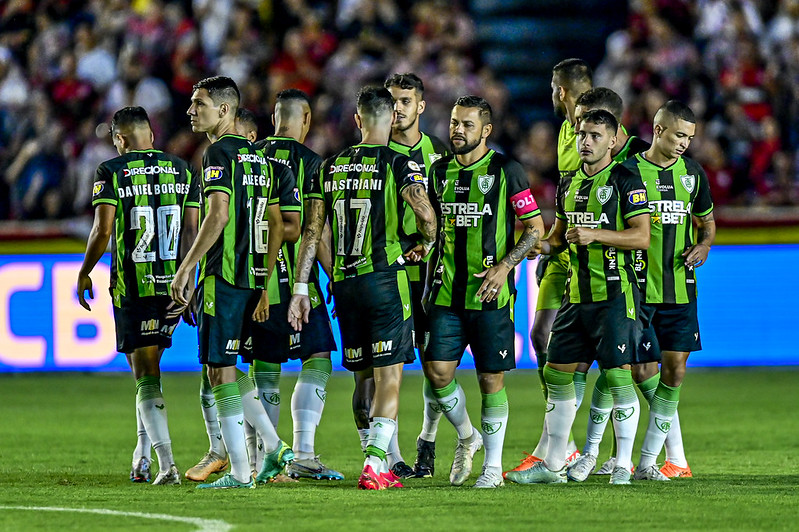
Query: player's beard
{"x": 466, "y": 148}
{"x": 560, "y": 111}
{"x": 409, "y": 125}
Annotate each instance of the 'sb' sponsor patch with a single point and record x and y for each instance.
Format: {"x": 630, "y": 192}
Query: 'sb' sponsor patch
{"x": 637, "y": 197}
{"x": 212, "y": 173}
{"x": 98, "y": 187}
{"x": 416, "y": 178}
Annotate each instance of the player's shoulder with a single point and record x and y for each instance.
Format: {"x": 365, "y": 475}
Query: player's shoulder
{"x": 442, "y": 163}
{"x": 505, "y": 161}
{"x": 439, "y": 146}
{"x": 692, "y": 166}
{"x": 637, "y": 145}
{"x": 631, "y": 163}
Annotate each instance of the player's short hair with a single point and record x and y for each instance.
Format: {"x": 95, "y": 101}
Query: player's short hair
{"x": 247, "y": 117}
{"x": 374, "y": 101}
{"x": 601, "y": 117}
{"x": 293, "y": 95}
{"x": 130, "y": 116}
{"x": 406, "y": 81}
{"x": 601, "y": 98}
{"x": 573, "y": 71}
{"x": 221, "y": 89}
{"x": 677, "y": 109}
{"x": 486, "y": 114}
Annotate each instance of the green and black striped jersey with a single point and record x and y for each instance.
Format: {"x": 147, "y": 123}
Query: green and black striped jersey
{"x": 675, "y": 193}
{"x": 477, "y": 206}
{"x": 302, "y": 164}
{"x": 633, "y": 146}
{"x": 150, "y": 190}
{"x": 424, "y": 153}
{"x": 568, "y": 157}
{"x": 361, "y": 188}
{"x": 605, "y": 200}
{"x": 233, "y": 166}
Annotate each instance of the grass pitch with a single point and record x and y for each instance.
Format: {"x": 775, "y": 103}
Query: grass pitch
{"x": 67, "y": 440}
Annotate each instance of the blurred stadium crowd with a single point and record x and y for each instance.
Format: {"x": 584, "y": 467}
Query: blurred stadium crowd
{"x": 66, "y": 66}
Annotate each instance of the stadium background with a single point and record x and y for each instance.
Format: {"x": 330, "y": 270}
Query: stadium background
{"x": 66, "y": 66}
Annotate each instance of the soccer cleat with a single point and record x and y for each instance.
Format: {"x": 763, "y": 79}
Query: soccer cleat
{"x": 425, "y": 464}
{"x": 391, "y": 480}
{"x": 674, "y": 471}
{"x": 491, "y": 477}
{"x": 274, "y": 462}
{"x": 572, "y": 457}
{"x": 607, "y": 467}
{"x": 537, "y": 474}
{"x": 140, "y": 470}
{"x": 579, "y": 470}
{"x": 226, "y": 482}
{"x": 280, "y": 478}
{"x": 403, "y": 470}
{"x": 620, "y": 476}
{"x": 462, "y": 463}
{"x": 369, "y": 480}
{"x": 312, "y": 468}
{"x": 210, "y": 463}
{"x": 650, "y": 473}
{"x": 168, "y": 477}
{"x": 527, "y": 462}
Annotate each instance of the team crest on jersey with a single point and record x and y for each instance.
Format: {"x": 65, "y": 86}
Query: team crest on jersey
{"x": 413, "y": 165}
{"x": 689, "y": 182}
{"x": 212, "y": 173}
{"x": 485, "y": 182}
{"x": 604, "y": 193}
{"x": 98, "y": 187}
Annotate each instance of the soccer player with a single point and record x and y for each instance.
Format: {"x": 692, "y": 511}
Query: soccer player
{"x": 361, "y": 191}
{"x": 237, "y": 246}
{"x": 678, "y": 193}
{"x": 149, "y": 201}
{"x": 570, "y": 79}
{"x": 423, "y": 149}
{"x": 600, "y": 216}
{"x": 477, "y": 191}
{"x": 279, "y": 342}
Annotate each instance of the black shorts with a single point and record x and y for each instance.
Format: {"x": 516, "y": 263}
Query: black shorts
{"x": 376, "y": 320}
{"x": 224, "y": 322}
{"x": 490, "y": 333}
{"x": 608, "y": 332}
{"x": 671, "y": 327}
{"x": 276, "y": 341}
{"x": 141, "y": 322}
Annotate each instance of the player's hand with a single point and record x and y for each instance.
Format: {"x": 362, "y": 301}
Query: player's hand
{"x": 84, "y": 283}
{"x": 417, "y": 253}
{"x": 261, "y": 313}
{"x": 173, "y": 310}
{"x": 329, "y": 299}
{"x": 696, "y": 255}
{"x": 494, "y": 279}
{"x": 180, "y": 291}
{"x": 582, "y": 236}
{"x": 191, "y": 312}
{"x": 299, "y": 309}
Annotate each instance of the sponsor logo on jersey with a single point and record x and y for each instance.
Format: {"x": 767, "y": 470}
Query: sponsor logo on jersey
{"x": 610, "y": 257}
{"x": 416, "y": 178}
{"x": 297, "y": 194}
{"x": 212, "y": 173}
{"x": 637, "y": 197}
{"x": 586, "y": 219}
{"x": 150, "y": 170}
{"x": 603, "y": 194}
{"x": 669, "y": 212}
{"x": 251, "y": 158}
{"x": 688, "y": 182}
{"x": 488, "y": 261}
{"x": 98, "y": 187}
{"x": 485, "y": 182}
{"x": 413, "y": 165}
{"x": 465, "y": 214}
{"x": 353, "y": 167}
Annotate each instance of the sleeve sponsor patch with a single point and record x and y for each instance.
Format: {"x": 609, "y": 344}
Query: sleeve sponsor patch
{"x": 637, "y": 197}
{"x": 297, "y": 194}
{"x": 523, "y": 203}
{"x": 416, "y": 178}
{"x": 98, "y": 187}
{"x": 212, "y": 173}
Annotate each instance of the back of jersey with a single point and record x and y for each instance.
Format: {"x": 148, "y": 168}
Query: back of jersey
{"x": 150, "y": 190}
{"x": 361, "y": 189}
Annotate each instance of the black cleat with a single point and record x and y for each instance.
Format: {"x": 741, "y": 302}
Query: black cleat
{"x": 425, "y": 464}
{"x": 402, "y": 470}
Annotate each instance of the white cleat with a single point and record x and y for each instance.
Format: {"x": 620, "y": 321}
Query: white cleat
{"x": 607, "y": 467}
{"x": 491, "y": 477}
{"x": 620, "y": 476}
{"x": 464, "y": 454}
{"x": 579, "y": 470}
{"x": 650, "y": 473}
{"x": 169, "y": 477}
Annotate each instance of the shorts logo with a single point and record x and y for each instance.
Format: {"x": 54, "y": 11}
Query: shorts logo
{"x": 604, "y": 193}
{"x": 448, "y": 405}
{"x": 294, "y": 339}
{"x": 599, "y": 417}
{"x": 209, "y": 304}
{"x": 149, "y": 325}
{"x": 321, "y": 394}
{"x": 503, "y": 353}
{"x": 212, "y": 173}
{"x": 232, "y": 345}
{"x": 248, "y": 343}
{"x": 491, "y": 428}
{"x": 271, "y": 398}
{"x": 622, "y": 347}
{"x": 637, "y": 197}
{"x": 98, "y": 187}
{"x": 550, "y": 406}
{"x": 620, "y": 414}
{"x": 696, "y": 336}
{"x": 353, "y": 355}
{"x": 647, "y": 345}
{"x": 663, "y": 425}
{"x": 406, "y": 306}
{"x": 382, "y": 346}
{"x": 631, "y": 311}
{"x": 688, "y": 182}
{"x": 484, "y": 183}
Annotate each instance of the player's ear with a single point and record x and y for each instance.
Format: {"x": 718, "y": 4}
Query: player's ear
{"x": 421, "y": 106}
{"x": 223, "y": 109}
{"x": 358, "y": 121}
{"x": 273, "y": 119}
{"x": 487, "y": 129}
{"x": 561, "y": 93}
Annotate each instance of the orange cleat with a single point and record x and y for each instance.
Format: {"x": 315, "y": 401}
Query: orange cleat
{"x": 675, "y": 471}
{"x": 526, "y": 463}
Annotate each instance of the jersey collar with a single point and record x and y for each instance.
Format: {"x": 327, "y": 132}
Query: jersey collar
{"x": 475, "y": 164}
{"x": 643, "y": 158}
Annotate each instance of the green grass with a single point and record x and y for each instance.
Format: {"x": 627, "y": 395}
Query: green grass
{"x": 67, "y": 441}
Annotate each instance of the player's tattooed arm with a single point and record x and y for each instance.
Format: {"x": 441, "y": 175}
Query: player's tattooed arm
{"x": 415, "y": 196}
{"x": 300, "y": 306}
{"x": 529, "y": 240}
{"x": 696, "y": 255}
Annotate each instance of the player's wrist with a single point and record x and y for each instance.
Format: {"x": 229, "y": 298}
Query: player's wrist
{"x": 428, "y": 244}
{"x": 300, "y": 289}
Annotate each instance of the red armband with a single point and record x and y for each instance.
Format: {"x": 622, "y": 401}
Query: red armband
{"x": 523, "y": 203}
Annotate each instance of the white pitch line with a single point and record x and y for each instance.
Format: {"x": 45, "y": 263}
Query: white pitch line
{"x": 203, "y": 525}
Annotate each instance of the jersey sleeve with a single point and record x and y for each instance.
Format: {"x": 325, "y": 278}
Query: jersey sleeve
{"x": 563, "y": 186}
{"x": 311, "y": 166}
{"x": 287, "y": 192}
{"x": 217, "y": 171}
{"x": 632, "y": 193}
{"x": 703, "y": 202}
{"x": 103, "y": 189}
{"x": 193, "y": 198}
{"x": 435, "y": 178}
{"x": 314, "y": 191}
{"x": 406, "y": 171}
{"x": 519, "y": 195}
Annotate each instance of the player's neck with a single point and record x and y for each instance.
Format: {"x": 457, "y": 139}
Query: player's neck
{"x": 139, "y": 147}
{"x": 377, "y": 137}
{"x": 595, "y": 168}
{"x": 409, "y": 137}
{"x": 223, "y": 128}
{"x": 654, "y": 156}
{"x": 621, "y": 142}
{"x": 286, "y": 131}
{"x": 468, "y": 159}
